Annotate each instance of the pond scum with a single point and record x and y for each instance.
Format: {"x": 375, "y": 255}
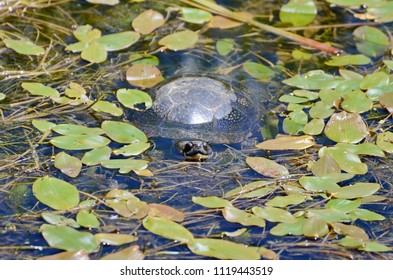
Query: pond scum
{"x": 80, "y": 181}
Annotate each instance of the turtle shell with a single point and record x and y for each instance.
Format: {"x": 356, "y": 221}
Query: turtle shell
{"x": 199, "y": 107}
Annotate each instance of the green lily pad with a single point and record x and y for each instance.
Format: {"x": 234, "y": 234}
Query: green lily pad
{"x": 75, "y": 90}
{"x": 143, "y": 75}
{"x": 222, "y": 249}
{"x": 375, "y": 80}
{"x": 58, "y": 220}
{"x": 107, "y": 107}
{"x": 298, "y": 12}
{"x": 316, "y": 79}
{"x": 125, "y": 165}
{"x": 96, "y": 156}
{"x": 115, "y": 239}
{"x": 284, "y": 201}
{"x": 211, "y": 201}
{"x": 129, "y": 253}
{"x": 234, "y": 215}
{"x": 68, "y": 165}
{"x": 72, "y": 129}
{"x": 318, "y": 184}
{"x": 148, "y": 21}
{"x": 356, "y": 102}
{"x": 24, "y": 47}
{"x": 350, "y": 230}
{"x": 314, "y": 127}
{"x": 356, "y": 59}
{"x": 118, "y": 41}
{"x": 122, "y": 132}
{"x": 40, "y": 89}
{"x": 69, "y": 239}
{"x": 346, "y": 127}
{"x": 94, "y": 52}
{"x": 273, "y": 214}
{"x": 295, "y": 228}
{"x": 258, "y": 71}
{"x": 385, "y": 141}
{"x": 386, "y": 100}
{"x": 288, "y": 98}
{"x": 315, "y": 227}
{"x": 180, "y": 40}
{"x": 87, "y": 219}
{"x": 130, "y": 98}
{"x": 43, "y": 126}
{"x": 79, "y": 142}
{"x": 197, "y": 16}
{"x": 132, "y": 149}
{"x": 225, "y": 46}
{"x": 253, "y": 190}
{"x": 267, "y": 167}
{"x": 73, "y": 255}
{"x": 168, "y": 229}
{"x": 367, "y": 215}
{"x": 356, "y": 190}
{"x": 343, "y": 205}
{"x": 347, "y": 160}
{"x": 329, "y": 215}
{"x": 324, "y": 166}
{"x": 55, "y": 193}
{"x": 285, "y": 142}
{"x": 370, "y": 40}
{"x": 375, "y": 247}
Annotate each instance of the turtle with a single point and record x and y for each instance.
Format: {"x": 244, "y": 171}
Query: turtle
{"x": 197, "y": 110}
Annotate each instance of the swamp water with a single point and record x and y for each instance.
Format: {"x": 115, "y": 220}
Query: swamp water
{"x": 80, "y": 181}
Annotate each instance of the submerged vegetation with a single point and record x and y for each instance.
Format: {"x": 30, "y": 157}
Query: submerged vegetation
{"x": 80, "y": 180}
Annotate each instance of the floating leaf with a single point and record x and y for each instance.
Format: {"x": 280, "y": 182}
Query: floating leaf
{"x": 253, "y": 189}
{"x": 211, "y": 201}
{"x": 258, "y": 71}
{"x": 300, "y": 55}
{"x": 168, "y": 229}
{"x": 375, "y": 80}
{"x": 370, "y": 40}
{"x": 381, "y": 12}
{"x": 375, "y": 247}
{"x": 329, "y": 215}
{"x": 2, "y": 96}
{"x": 351, "y": 242}
{"x": 356, "y": 59}
{"x": 234, "y": 215}
{"x": 69, "y": 239}
{"x": 115, "y": 238}
{"x": 343, "y": 205}
{"x": 197, "y": 16}
{"x": 366, "y": 148}
{"x": 385, "y": 141}
{"x": 386, "y": 100}
{"x": 87, "y": 219}
{"x": 225, "y": 46}
{"x": 58, "y": 220}
{"x": 104, "y": 2}
{"x": 143, "y": 75}
{"x": 315, "y": 227}
{"x": 24, "y": 47}
{"x": 148, "y": 21}
{"x": 96, "y": 156}
{"x": 314, "y": 127}
{"x": 94, "y": 53}
{"x": 75, "y": 90}
{"x": 40, "y": 89}
{"x": 71, "y": 129}
{"x": 125, "y": 165}
{"x": 72, "y": 255}
{"x": 222, "y": 249}
{"x": 55, "y": 193}
{"x": 118, "y": 41}
{"x": 367, "y": 215}
{"x": 68, "y": 165}
{"x": 346, "y": 127}
{"x": 356, "y": 102}
{"x": 353, "y": 231}
{"x": 287, "y": 143}
{"x": 79, "y": 142}
{"x": 348, "y": 161}
{"x": 284, "y": 201}
{"x": 132, "y": 98}
{"x": 298, "y": 12}
{"x": 318, "y": 184}
{"x": 107, "y": 107}
{"x": 122, "y": 132}
{"x": 267, "y": 167}
{"x": 132, "y": 149}
{"x": 165, "y": 211}
{"x": 273, "y": 214}
{"x": 130, "y": 253}
{"x": 223, "y": 23}
{"x": 316, "y": 79}
{"x": 43, "y": 126}
{"x": 295, "y": 228}
{"x": 180, "y": 40}
{"x": 356, "y": 190}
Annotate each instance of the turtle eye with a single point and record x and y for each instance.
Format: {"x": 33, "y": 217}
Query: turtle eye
{"x": 188, "y": 146}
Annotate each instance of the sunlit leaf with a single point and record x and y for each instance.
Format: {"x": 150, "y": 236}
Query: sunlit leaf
{"x": 267, "y": 167}
{"x": 289, "y": 98}
{"x": 329, "y": 98}
{"x": 180, "y": 40}
{"x": 375, "y": 80}
{"x": 165, "y": 211}
{"x": 381, "y": 12}
{"x": 295, "y": 228}
{"x": 253, "y": 189}
{"x": 94, "y": 53}
{"x": 367, "y": 215}
{"x": 365, "y": 148}
{"x": 343, "y": 205}
{"x": 356, "y": 102}
{"x": 346, "y": 127}
{"x": 315, "y": 227}
{"x": 300, "y": 55}
{"x": 386, "y": 100}
{"x": 138, "y": 208}
{"x": 222, "y": 249}
{"x": 118, "y": 41}
{"x": 72, "y": 255}
{"x": 225, "y": 46}
{"x": 87, "y": 219}
{"x": 107, "y": 107}
{"x": 211, "y": 201}
{"x": 58, "y": 220}
{"x": 122, "y": 132}
{"x": 133, "y": 98}
{"x": 40, "y": 89}
{"x": 329, "y": 215}
{"x": 351, "y": 242}
{"x": 273, "y": 214}
{"x": 356, "y": 190}
{"x": 356, "y": 59}
{"x": 370, "y": 40}
{"x": 124, "y": 165}
{"x": 86, "y": 33}
{"x": 130, "y": 253}
{"x": 43, "y": 126}
{"x": 285, "y": 142}
{"x": 55, "y": 193}
{"x": 316, "y": 79}
{"x": 318, "y": 184}
{"x": 258, "y": 71}
{"x": 223, "y": 23}
{"x": 347, "y": 160}
{"x": 69, "y": 165}
{"x": 197, "y": 16}
{"x": 69, "y": 239}
{"x": 132, "y": 149}
{"x": 314, "y": 127}
{"x": 79, "y": 142}
{"x": 96, "y": 156}
{"x": 292, "y": 127}
{"x": 234, "y": 215}
{"x": 148, "y": 21}
{"x": 168, "y": 229}
{"x": 298, "y": 12}
{"x": 385, "y": 141}
{"x": 284, "y": 201}
{"x": 115, "y": 238}
{"x": 75, "y": 90}
{"x": 375, "y": 247}
{"x": 70, "y": 129}
{"x": 24, "y": 47}
{"x": 143, "y": 75}
{"x": 351, "y": 230}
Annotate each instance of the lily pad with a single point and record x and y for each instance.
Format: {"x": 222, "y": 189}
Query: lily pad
{"x": 72, "y": 129}
{"x": 284, "y": 201}
{"x": 318, "y": 184}
{"x": 252, "y": 190}
{"x": 258, "y": 71}
{"x": 115, "y": 238}
{"x": 143, "y": 75}
{"x": 267, "y": 167}
{"x": 370, "y": 40}
{"x": 180, "y": 40}
{"x": 118, "y": 41}
{"x": 129, "y": 253}
{"x": 298, "y": 12}
{"x": 122, "y": 132}
{"x": 165, "y": 211}
{"x": 234, "y": 215}
{"x": 211, "y": 201}
{"x": 87, "y": 219}
{"x": 346, "y": 127}
{"x": 125, "y": 165}
{"x": 273, "y": 214}
{"x": 58, "y": 220}
{"x": 356, "y": 59}
{"x": 225, "y": 46}
{"x": 133, "y": 98}
{"x": 132, "y": 149}
{"x": 55, "y": 193}
{"x": 72, "y": 255}
{"x": 148, "y": 21}
{"x": 96, "y": 156}
{"x": 343, "y": 205}
{"x": 356, "y": 190}
{"x": 43, "y": 126}
{"x": 356, "y": 102}
{"x": 367, "y": 215}
{"x": 197, "y": 16}
{"x": 385, "y": 141}
{"x": 315, "y": 227}
{"x": 168, "y": 229}
{"x": 386, "y": 100}
{"x": 40, "y": 89}
{"x": 285, "y": 142}
{"x": 295, "y": 228}
{"x": 107, "y": 107}
{"x": 223, "y": 23}
{"x": 79, "y": 142}
{"x": 69, "y": 165}
{"x": 24, "y": 47}
{"x": 350, "y": 230}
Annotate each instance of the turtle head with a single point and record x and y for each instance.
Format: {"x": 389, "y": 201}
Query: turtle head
{"x": 194, "y": 150}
